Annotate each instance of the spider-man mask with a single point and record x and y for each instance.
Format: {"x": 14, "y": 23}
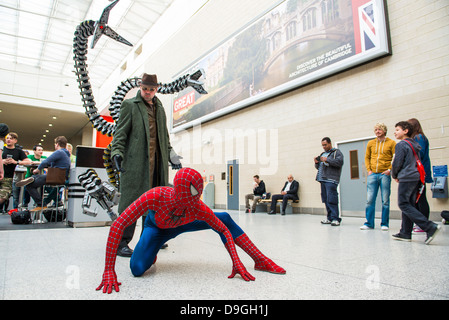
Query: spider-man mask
{"x": 188, "y": 185}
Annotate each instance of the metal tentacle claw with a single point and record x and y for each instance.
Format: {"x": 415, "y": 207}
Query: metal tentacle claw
{"x": 106, "y": 195}
{"x": 101, "y": 28}
{"x": 193, "y": 82}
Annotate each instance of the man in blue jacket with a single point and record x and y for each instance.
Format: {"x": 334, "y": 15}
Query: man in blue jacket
{"x": 58, "y": 159}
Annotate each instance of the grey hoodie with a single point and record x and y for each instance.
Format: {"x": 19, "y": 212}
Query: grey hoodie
{"x": 404, "y": 161}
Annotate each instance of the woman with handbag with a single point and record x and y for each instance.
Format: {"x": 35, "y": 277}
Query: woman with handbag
{"x": 418, "y": 135}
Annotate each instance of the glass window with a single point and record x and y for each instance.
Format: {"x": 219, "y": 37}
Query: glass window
{"x": 354, "y": 162}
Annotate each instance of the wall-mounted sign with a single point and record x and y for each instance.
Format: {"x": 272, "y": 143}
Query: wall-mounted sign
{"x": 293, "y": 44}
{"x": 440, "y": 171}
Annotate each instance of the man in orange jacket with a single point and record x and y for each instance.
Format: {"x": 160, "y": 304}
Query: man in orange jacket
{"x": 378, "y": 157}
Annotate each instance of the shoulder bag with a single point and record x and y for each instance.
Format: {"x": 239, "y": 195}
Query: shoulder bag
{"x": 421, "y": 170}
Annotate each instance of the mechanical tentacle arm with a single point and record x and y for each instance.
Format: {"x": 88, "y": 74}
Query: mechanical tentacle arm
{"x": 105, "y": 193}
{"x": 80, "y": 43}
{"x": 80, "y": 48}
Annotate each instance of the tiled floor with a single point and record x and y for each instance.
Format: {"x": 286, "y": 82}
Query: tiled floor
{"x": 322, "y": 262}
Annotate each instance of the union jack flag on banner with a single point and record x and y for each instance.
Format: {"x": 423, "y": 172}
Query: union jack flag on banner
{"x": 366, "y": 33}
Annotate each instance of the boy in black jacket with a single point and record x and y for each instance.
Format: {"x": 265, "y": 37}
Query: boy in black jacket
{"x": 405, "y": 172}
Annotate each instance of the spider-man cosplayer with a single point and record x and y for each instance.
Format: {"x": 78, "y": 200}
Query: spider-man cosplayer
{"x": 173, "y": 211}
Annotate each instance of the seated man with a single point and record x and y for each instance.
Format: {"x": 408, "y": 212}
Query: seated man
{"x": 289, "y": 191}
{"x": 258, "y": 191}
{"x": 58, "y": 159}
{"x": 35, "y": 158}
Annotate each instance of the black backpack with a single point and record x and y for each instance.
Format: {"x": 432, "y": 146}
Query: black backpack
{"x": 21, "y": 217}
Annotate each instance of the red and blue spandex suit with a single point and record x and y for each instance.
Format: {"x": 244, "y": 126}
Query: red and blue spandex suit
{"x": 173, "y": 211}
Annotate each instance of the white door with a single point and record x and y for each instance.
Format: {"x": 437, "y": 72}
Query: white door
{"x": 353, "y": 178}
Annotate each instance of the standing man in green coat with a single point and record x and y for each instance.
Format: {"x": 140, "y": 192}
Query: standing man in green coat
{"x": 141, "y": 149}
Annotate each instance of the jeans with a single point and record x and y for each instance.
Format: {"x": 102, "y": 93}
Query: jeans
{"x": 329, "y": 196}
{"x": 376, "y": 181}
{"x": 33, "y": 188}
{"x": 407, "y": 192}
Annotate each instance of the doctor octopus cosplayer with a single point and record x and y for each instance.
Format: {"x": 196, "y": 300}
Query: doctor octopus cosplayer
{"x": 173, "y": 211}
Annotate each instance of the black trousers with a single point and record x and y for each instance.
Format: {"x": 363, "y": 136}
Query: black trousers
{"x": 284, "y": 198}
{"x": 407, "y": 192}
{"x": 423, "y": 205}
{"x": 128, "y": 233}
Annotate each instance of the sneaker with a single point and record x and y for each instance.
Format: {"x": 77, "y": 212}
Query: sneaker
{"x": 24, "y": 182}
{"x": 326, "y": 221}
{"x": 335, "y": 223}
{"x": 52, "y": 204}
{"x": 417, "y": 230}
{"x": 431, "y": 235}
{"x": 401, "y": 237}
{"x": 384, "y": 228}
{"x": 365, "y": 227}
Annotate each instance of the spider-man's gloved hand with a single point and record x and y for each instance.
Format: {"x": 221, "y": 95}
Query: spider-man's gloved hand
{"x": 109, "y": 281}
{"x": 239, "y": 268}
{"x": 175, "y": 160}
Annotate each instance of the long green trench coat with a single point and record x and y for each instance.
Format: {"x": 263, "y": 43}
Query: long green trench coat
{"x": 130, "y": 141}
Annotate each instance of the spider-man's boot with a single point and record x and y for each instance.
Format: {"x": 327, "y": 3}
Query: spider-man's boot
{"x": 262, "y": 263}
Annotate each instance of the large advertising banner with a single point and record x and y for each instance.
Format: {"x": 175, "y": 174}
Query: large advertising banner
{"x": 293, "y": 44}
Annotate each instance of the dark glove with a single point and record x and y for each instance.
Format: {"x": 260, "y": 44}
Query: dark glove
{"x": 117, "y": 159}
{"x": 175, "y": 160}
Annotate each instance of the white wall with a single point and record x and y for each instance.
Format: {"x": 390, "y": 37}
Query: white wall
{"x": 413, "y": 82}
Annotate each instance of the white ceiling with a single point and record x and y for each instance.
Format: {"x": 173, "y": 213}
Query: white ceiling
{"x": 36, "y": 39}
{"x": 39, "y": 33}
